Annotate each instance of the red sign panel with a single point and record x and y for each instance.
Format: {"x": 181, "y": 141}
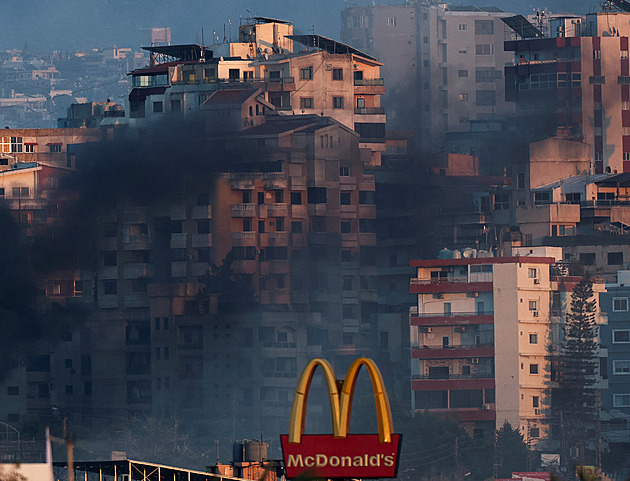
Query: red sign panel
{"x": 356, "y": 456}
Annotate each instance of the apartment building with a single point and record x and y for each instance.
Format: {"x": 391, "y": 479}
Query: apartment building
{"x": 445, "y": 60}
{"x": 479, "y": 336}
{"x": 576, "y": 84}
{"x": 616, "y": 336}
{"x": 327, "y": 79}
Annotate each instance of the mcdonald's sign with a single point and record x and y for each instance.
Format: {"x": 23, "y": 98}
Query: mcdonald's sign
{"x": 341, "y": 455}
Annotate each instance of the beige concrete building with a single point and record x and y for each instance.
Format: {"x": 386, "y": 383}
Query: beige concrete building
{"x": 480, "y": 335}
{"x": 444, "y": 61}
{"x": 577, "y": 84}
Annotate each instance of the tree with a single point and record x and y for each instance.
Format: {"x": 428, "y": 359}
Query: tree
{"x": 12, "y": 474}
{"x": 511, "y": 451}
{"x": 576, "y": 396}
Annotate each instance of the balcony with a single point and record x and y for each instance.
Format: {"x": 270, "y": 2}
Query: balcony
{"x": 201, "y": 240}
{"x": 298, "y": 211}
{"x": 454, "y": 381}
{"x": 369, "y": 86}
{"x": 370, "y": 111}
{"x": 278, "y": 238}
{"x": 243, "y": 239}
{"x": 177, "y": 212}
{"x": 451, "y": 284}
{"x": 201, "y": 212}
{"x": 487, "y": 413}
{"x": 243, "y": 210}
{"x": 136, "y": 299}
{"x": 135, "y": 270}
{"x": 178, "y": 241}
{"x": 275, "y": 180}
{"x": 452, "y": 319}
{"x": 242, "y": 181}
{"x": 135, "y": 215}
{"x": 452, "y": 352}
{"x": 284, "y": 84}
{"x": 108, "y": 301}
{"x": 277, "y": 210}
{"x": 138, "y": 242}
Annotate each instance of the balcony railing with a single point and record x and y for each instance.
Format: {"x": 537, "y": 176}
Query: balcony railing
{"x": 453, "y": 314}
{"x": 369, "y": 82}
{"x": 370, "y": 111}
{"x": 476, "y": 375}
{"x": 426, "y": 282}
{"x": 452, "y": 346}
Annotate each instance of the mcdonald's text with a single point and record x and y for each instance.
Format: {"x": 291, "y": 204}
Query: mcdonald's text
{"x": 356, "y": 456}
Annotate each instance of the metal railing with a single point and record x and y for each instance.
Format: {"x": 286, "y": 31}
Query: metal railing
{"x": 454, "y": 314}
{"x": 476, "y": 375}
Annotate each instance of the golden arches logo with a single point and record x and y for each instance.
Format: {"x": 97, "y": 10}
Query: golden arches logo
{"x": 341, "y": 402}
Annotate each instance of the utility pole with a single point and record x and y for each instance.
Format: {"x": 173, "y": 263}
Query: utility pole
{"x": 69, "y": 447}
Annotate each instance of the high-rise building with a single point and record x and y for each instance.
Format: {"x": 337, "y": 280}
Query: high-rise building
{"x": 443, "y": 63}
{"x": 576, "y": 84}
{"x": 480, "y": 337}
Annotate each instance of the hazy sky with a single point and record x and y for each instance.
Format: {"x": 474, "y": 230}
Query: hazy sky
{"x": 82, "y": 24}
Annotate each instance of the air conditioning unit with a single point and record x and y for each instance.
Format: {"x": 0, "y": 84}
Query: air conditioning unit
{"x": 536, "y": 411}
{"x": 474, "y": 360}
{"x": 535, "y": 313}
{"x": 485, "y": 407}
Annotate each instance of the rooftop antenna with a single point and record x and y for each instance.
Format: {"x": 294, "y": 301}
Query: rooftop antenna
{"x": 224, "y": 37}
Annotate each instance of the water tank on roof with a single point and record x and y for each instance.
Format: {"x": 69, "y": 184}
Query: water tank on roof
{"x": 250, "y": 451}
{"x": 623, "y": 277}
{"x": 445, "y": 254}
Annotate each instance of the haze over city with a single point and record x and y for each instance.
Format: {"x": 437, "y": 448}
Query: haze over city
{"x": 376, "y": 240}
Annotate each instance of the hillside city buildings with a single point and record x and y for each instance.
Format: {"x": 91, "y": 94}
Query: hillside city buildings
{"x": 246, "y": 211}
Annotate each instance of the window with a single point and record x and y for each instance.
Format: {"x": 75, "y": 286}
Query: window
{"x": 501, "y": 201}
{"x": 13, "y": 390}
{"x": 110, "y": 287}
{"x": 486, "y": 98}
{"x": 337, "y": 74}
{"x": 597, "y": 54}
{"x": 306, "y": 73}
{"x": 16, "y": 145}
{"x": 535, "y": 401}
{"x": 621, "y": 336}
{"x": 484, "y": 49}
{"x": 20, "y": 191}
{"x": 344, "y": 171}
{"x": 462, "y": 27}
{"x": 296, "y": 227}
{"x": 337, "y": 102}
{"x": 532, "y": 273}
{"x": 533, "y": 338}
{"x": 344, "y": 198}
{"x": 296, "y": 198}
{"x": 247, "y": 225}
{"x": 597, "y": 80}
{"x": 279, "y": 224}
{"x": 615, "y": 258}
{"x": 487, "y": 74}
{"x": 587, "y": 258}
{"x": 573, "y": 198}
{"x": 261, "y": 226}
{"x": 391, "y": 21}
{"x": 533, "y": 305}
{"x": 533, "y": 368}
{"x": 621, "y": 400}
{"x": 462, "y": 73}
{"x": 367, "y": 225}
{"x": 623, "y": 54}
{"x": 621, "y": 367}
{"x": 317, "y": 195}
{"x": 158, "y": 107}
{"x": 484, "y": 27}
{"x": 29, "y": 148}
{"x": 534, "y": 432}
{"x": 360, "y": 103}
{"x": 462, "y": 97}
{"x": 346, "y": 227}
{"x": 203, "y": 226}
{"x": 306, "y": 102}
{"x": 109, "y": 259}
{"x": 620, "y": 304}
